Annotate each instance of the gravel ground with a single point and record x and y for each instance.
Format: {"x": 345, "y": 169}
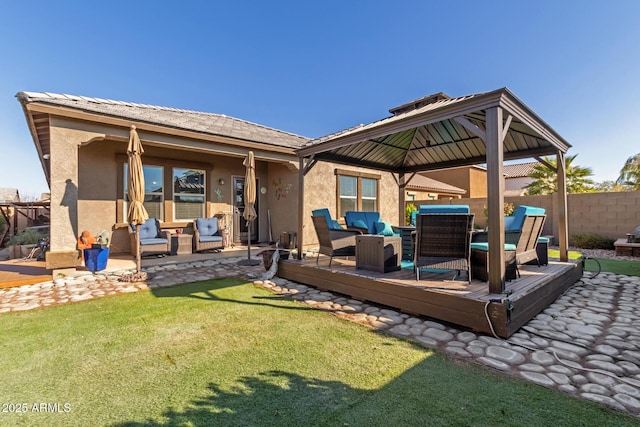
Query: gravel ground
{"x": 600, "y": 253}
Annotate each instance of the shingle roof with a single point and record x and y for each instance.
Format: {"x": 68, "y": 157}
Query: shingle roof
{"x": 419, "y": 182}
{"x": 9, "y": 195}
{"x": 207, "y": 123}
{"x": 519, "y": 170}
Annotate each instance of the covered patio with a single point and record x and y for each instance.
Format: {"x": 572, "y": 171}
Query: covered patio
{"x": 437, "y": 132}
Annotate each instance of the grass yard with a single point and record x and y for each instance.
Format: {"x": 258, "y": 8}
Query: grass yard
{"x": 224, "y": 352}
{"x": 629, "y": 268}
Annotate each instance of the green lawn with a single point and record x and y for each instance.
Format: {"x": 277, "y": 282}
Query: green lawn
{"x": 223, "y": 352}
{"x": 629, "y": 268}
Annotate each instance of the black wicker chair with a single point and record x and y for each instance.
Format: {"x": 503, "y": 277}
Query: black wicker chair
{"x": 443, "y": 242}
{"x": 334, "y": 242}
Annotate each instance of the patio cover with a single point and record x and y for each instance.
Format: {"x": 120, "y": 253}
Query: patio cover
{"x": 437, "y": 132}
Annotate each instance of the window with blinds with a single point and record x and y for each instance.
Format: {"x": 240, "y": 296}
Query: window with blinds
{"x": 153, "y": 190}
{"x": 188, "y": 194}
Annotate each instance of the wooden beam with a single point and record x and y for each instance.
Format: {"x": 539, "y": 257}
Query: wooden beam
{"x": 495, "y": 200}
{"x": 563, "y": 226}
{"x": 547, "y": 164}
{"x": 401, "y": 197}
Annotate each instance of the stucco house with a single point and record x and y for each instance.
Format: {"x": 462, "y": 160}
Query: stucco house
{"x": 82, "y": 141}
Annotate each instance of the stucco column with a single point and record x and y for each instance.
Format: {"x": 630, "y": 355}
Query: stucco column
{"x": 64, "y": 200}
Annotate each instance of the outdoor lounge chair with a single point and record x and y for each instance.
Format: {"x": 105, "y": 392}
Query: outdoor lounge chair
{"x": 334, "y": 242}
{"x": 442, "y": 242}
{"x": 153, "y": 241}
{"x": 520, "y": 247}
{"x": 206, "y": 235}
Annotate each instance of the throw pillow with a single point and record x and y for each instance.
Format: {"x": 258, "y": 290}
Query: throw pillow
{"x": 360, "y": 224}
{"x": 335, "y": 224}
{"x": 383, "y": 228}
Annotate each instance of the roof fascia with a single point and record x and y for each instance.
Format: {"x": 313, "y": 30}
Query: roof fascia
{"x": 36, "y": 141}
{"x": 513, "y": 105}
{"x": 123, "y": 122}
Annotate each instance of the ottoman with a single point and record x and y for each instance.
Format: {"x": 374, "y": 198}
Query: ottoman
{"x": 480, "y": 261}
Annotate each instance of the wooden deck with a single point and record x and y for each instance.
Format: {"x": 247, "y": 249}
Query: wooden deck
{"x": 437, "y": 296}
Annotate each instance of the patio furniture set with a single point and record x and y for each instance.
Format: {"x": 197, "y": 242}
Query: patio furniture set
{"x": 443, "y": 238}
{"x": 207, "y": 236}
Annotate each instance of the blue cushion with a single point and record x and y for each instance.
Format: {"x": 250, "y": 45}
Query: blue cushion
{"x": 360, "y": 224}
{"x": 207, "y": 226}
{"x": 335, "y": 224}
{"x": 332, "y": 223}
{"x": 484, "y": 246}
{"x": 543, "y": 240}
{"x": 153, "y": 241}
{"x": 368, "y": 218}
{"x": 519, "y": 214}
{"x": 383, "y": 228}
{"x": 150, "y": 229}
{"x": 210, "y": 238}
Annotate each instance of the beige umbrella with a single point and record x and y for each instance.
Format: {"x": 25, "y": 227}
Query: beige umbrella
{"x": 137, "y": 213}
{"x": 249, "y": 213}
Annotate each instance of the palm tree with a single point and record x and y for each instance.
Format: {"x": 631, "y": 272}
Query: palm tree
{"x": 546, "y": 181}
{"x": 630, "y": 172}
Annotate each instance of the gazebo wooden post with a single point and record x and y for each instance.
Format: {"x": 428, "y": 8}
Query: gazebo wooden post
{"x": 563, "y": 228}
{"x": 495, "y": 200}
{"x": 401, "y": 197}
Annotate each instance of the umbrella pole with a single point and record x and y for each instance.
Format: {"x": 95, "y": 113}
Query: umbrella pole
{"x": 249, "y": 240}
{"x": 137, "y": 248}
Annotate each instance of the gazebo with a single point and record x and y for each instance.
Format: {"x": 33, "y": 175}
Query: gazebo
{"x": 438, "y": 132}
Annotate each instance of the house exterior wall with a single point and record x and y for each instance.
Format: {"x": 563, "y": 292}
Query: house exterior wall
{"x": 471, "y": 179}
{"x": 320, "y": 192}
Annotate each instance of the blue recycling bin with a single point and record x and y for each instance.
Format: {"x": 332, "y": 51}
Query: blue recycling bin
{"x": 96, "y": 259}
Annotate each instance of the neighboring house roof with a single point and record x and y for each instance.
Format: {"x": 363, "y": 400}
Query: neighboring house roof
{"x": 9, "y": 195}
{"x": 423, "y": 183}
{"x": 207, "y": 123}
{"x": 519, "y": 170}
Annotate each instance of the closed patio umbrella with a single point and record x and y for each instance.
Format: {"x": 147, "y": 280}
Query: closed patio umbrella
{"x": 249, "y": 213}
{"x": 137, "y": 214}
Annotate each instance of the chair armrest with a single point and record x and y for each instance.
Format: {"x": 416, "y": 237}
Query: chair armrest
{"x": 358, "y": 229}
{"x": 339, "y": 234}
{"x": 165, "y": 234}
{"x": 483, "y": 237}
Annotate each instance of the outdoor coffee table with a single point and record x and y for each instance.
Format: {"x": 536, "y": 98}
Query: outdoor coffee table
{"x": 378, "y": 253}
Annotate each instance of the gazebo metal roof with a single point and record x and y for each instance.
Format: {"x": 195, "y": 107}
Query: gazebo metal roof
{"x": 438, "y": 132}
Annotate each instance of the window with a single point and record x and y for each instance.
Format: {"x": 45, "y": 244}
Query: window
{"x": 357, "y": 191}
{"x": 188, "y": 194}
{"x": 153, "y": 190}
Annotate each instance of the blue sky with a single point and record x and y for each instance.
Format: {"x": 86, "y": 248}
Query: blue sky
{"x": 315, "y": 67}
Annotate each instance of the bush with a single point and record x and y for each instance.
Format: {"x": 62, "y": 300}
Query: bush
{"x": 27, "y": 237}
{"x": 592, "y": 241}
{"x": 408, "y": 211}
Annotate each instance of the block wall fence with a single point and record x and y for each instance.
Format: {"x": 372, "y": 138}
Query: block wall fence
{"x": 611, "y": 215}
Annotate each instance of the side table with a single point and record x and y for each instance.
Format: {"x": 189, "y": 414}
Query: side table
{"x": 378, "y": 253}
{"x": 181, "y": 244}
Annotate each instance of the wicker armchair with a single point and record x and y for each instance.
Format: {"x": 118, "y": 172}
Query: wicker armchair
{"x": 442, "y": 242}
{"x": 153, "y": 241}
{"x": 334, "y": 242}
{"x": 206, "y": 235}
{"x": 523, "y": 242}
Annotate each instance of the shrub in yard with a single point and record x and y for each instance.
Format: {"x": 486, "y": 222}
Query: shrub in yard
{"x": 27, "y": 237}
{"x": 408, "y": 210}
{"x": 592, "y": 241}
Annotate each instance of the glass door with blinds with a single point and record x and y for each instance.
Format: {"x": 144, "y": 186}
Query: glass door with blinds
{"x": 239, "y": 223}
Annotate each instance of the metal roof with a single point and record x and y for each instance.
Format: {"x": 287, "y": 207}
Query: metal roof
{"x": 436, "y": 132}
{"x": 519, "y": 170}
